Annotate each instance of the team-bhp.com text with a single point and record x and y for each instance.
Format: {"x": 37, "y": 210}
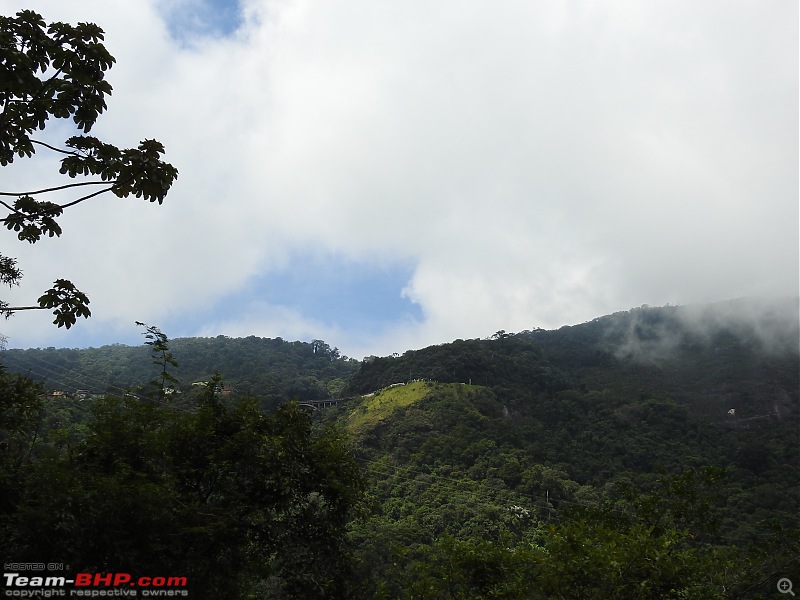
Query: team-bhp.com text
{"x": 93, "y": 585}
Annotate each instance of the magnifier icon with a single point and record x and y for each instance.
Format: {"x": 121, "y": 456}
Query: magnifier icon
{"x": 785, "y": 586}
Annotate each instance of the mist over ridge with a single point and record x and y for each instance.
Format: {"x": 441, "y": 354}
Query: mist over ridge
{"x": 654, "y": 333}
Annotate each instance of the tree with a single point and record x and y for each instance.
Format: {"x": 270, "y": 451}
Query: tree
{"x": 162, "y": 357}
{"x": 58, "y": 71}
{"x": 21, "y": 413}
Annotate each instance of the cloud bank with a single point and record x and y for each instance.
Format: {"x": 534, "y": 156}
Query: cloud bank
{"x": 505, "y": 167}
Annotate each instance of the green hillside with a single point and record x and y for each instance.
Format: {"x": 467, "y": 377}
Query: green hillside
{"x": 460, "y": 475}
{"x": 371, "y": 410}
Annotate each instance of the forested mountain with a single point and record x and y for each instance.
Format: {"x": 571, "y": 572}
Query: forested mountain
{"x": 271, "y": 370}
{"x": 676, "y": 425}
{"x": 653, "y": 453}
{"x": 737, "y": 355}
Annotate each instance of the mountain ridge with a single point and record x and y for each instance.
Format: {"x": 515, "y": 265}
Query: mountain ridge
{"x": 737, "y": 355}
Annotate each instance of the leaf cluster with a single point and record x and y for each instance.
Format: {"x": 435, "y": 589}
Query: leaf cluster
{"x": 67, "y": 301}
{"x": 48, "y": 71}
{"x": 139, "y": 172}
{"x": 31, "y": 218}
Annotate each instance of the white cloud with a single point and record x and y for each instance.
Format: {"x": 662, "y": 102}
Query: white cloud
{"x": 540, "y": 163}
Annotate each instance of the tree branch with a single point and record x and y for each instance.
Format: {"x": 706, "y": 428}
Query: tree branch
{"x": 63, "y": 187}
{"x": 74, "y": 202}
{"x": 67, "y": 205}
{"x": 61, "y": 150}
{"x": 54, "y": 189}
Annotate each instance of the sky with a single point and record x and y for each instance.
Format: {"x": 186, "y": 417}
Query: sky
{"x": 390, "y": 175}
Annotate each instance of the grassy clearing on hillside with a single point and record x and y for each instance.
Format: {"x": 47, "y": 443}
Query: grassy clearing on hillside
{"x": 375, "y": 408}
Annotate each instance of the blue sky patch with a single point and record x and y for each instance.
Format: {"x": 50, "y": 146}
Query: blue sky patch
{"x": 338, "y": 292}
{"x": 192, "y": 18}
